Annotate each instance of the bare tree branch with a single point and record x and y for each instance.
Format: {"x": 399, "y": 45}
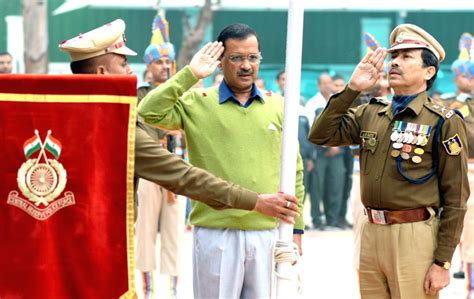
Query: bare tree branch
{"x": 193, "y": 37}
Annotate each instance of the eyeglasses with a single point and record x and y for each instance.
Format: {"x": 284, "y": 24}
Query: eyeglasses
{"x": 252, "y": 58}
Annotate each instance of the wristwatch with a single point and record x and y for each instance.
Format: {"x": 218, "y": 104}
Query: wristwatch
{"x": 444, "y": 265}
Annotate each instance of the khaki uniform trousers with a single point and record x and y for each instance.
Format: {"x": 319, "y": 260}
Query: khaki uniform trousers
{"x": 467, "y": 237}
{"x": 153, "y": 210}
{"x": 394, "y": 259}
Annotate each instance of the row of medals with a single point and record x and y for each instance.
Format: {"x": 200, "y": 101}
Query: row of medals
{"x": 405, "y": 145}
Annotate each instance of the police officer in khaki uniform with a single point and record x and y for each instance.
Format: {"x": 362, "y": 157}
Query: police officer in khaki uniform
{"x": 413, "y": 162}
{"x": 103, "y": 51}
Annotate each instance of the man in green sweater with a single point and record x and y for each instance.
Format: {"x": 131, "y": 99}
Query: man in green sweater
{"x": 234, "y": 131}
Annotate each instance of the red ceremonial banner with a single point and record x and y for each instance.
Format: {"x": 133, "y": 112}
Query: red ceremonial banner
{"x": 66, "y": 191}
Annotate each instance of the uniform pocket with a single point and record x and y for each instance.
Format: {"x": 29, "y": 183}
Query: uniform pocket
{"x": 367, "y": 159}
{"x": 410, "y": 168}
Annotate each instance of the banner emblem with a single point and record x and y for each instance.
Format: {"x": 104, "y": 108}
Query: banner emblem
{"x": 41, "y": 180}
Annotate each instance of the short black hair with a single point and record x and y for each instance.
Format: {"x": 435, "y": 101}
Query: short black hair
{"x": 5, "y": 53}
{"x": 237, "y": 31}
{"x": 86, "y": 66}
{"x": 279, "y": 74}
{"x": 429, "y": 59}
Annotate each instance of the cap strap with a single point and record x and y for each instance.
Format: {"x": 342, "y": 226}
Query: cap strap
{"x": 115, "y": 46}
{"x": 411, "y": 41}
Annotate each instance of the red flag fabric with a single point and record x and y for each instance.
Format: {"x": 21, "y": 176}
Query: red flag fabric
{"x": 66, "y": 213}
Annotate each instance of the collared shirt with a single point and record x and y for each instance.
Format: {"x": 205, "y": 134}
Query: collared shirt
{"x": 399, "y": 103}
{"x": 313, "y": 104}
{"x": 226, "y": 94}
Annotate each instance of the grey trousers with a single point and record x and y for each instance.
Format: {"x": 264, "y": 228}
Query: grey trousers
{"x": 232, "y": 264}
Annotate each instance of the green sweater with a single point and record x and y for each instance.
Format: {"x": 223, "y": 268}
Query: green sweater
{"x": 240, "y": 145}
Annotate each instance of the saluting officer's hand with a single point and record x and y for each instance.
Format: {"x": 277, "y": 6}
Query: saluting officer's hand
{"x": 368, "y": 70}
{"x": 206, "y": 60}
{"x": 280, "y": 205}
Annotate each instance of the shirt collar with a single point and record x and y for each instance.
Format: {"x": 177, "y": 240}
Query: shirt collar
{"x": 415, "y": 106}
{"x": 225, "y": 93}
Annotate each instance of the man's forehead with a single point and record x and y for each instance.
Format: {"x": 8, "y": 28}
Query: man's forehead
{"x": 242, "y": 44}
{"x": 162, "y": 59}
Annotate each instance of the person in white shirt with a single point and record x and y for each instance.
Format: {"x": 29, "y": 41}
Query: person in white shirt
{"x": 325, "y": 86}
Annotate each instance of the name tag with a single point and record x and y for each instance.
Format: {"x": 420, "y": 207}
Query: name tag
{"x": 369, "y": 140}
{"x": 368, "y": 135}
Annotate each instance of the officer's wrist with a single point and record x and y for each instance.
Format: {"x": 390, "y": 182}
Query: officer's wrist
{"x": 442, "y": 264}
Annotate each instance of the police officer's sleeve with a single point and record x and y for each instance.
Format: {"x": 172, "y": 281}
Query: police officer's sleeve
{"x": 454, "y": 189}
{"x": 163, "y": 106}
{"x": 157, "y": 165}
{"x": 337, "y": 124}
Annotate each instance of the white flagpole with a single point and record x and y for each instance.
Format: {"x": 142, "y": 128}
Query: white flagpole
{"x": 287, "y": 288}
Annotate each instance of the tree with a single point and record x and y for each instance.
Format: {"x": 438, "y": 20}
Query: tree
{"x": 35, "y": 26}
{"x": 193, "y": 36}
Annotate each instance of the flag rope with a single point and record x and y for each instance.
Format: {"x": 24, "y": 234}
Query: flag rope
{"x": 286, "y": 252}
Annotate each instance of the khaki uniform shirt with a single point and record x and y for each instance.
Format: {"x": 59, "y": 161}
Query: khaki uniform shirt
{"x": 155, "y": 133}
{"x": 382, "y": 186}
{"x": 158, "y": 165}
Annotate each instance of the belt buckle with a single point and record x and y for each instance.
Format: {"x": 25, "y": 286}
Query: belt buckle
{"x": 378, "y": 216}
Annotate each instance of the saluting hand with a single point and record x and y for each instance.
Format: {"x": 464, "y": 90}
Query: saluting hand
{"x": 280, "y": 205}
{"x": 368, "y": 70}
{"x": 206, "y": 60}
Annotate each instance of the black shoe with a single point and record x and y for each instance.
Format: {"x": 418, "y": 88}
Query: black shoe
{"x": 319, "y": 226}
{"x": 343, "y": 223}
{"x": 459, "y": 275}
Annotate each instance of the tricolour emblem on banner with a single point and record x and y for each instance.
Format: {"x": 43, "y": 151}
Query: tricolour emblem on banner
{"x": 41, "y": 180}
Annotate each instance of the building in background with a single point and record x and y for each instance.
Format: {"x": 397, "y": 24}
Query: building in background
{"x": 329, "y": 45}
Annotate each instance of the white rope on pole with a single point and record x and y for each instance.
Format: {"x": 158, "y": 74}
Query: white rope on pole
{"x": 286, "y": 278}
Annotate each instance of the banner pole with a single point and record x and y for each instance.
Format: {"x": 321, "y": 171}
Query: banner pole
{"x": 286, "y": 273}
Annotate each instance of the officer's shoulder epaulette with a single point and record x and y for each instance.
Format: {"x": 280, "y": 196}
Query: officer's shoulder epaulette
{"x": 442, "y": 111}
{"x": 437, "y": 109}
{"x": 379, "y": 100}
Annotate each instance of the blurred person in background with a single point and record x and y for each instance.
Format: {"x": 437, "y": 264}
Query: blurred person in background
{"x": 339, "y": 84}
{"x": 307, "y": 149}
{"x": 147, "y": 76}
{"x": 325, "y": 87}
{"x": 6, "y": 63}
{"x": 457, "y": 99}
{"x": 217, "y": 79}
{"x": 158, "y": 208}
